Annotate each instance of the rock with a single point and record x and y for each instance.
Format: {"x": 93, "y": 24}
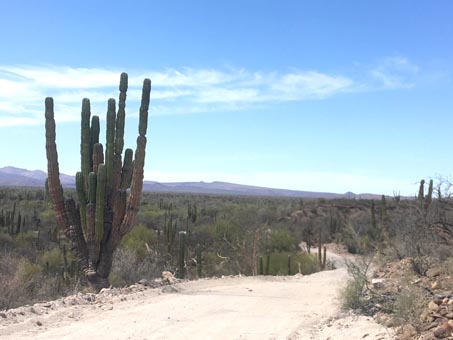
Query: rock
{"x": 377, "y": 283}
{"x": 433, "y": 272}
{"x": 407, "y": 332}
{"x": 436, "y": 285}
{"x": 432, "y": 306}
{"x": 39, "y": 323}
{"x": 167, "y": 276}
{"x": 445, "y": 300}
{"x": 449, "y": 315}
{"x": 144, "y": 282}
{"x": 3, "y": 315}
{"x": 444, "y": 330}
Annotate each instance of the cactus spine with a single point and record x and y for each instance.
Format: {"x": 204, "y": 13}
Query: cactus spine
{"x": 106, "y": 211}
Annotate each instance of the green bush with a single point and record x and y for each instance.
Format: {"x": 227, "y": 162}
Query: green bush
{"x": 281, "y": 240}
{"x": 408, "y": 307}
{"x": 137, "y": 240}
{"x": 303, "y": 262}
{"x": 352, "y": 295}
{"x": 52, "y": 260}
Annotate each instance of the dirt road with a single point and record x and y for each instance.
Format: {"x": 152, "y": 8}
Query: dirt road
{"x": 230, "y": 308}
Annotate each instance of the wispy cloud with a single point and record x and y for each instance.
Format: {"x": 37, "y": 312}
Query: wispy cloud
{"x": 176, "y": 91}
{"x": 395, "y": 72}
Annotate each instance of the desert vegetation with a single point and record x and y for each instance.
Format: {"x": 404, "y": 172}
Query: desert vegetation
{"x": 107, "y": 231}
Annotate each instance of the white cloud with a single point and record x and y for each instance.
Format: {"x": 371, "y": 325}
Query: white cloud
{"x": 175, "y": 91}
{"x": 394, "y": 73}
{"x": 306, "y": 85}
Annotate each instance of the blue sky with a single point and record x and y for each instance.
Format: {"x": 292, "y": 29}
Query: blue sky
{"x": 310, "y": 95}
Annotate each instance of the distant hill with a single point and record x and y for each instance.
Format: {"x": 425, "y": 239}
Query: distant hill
{"x": 11, "y": 176}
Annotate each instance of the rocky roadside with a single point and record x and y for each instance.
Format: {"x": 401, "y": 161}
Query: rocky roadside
{"x": 104, "y": 300}
{"x": 422, "y": 303}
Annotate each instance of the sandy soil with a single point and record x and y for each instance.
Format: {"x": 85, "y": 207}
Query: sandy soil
{"x": 297, "y": 307}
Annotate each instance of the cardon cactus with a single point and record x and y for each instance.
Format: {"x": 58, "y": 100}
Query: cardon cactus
{"x": 108, "y": 187}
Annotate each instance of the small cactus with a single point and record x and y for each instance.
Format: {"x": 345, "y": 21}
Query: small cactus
{"x": 289, "y": 264}
{"x": 181, "y": 258}
{"x": 199, "y": 259}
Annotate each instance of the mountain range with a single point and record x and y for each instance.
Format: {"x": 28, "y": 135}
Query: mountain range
{"x": 12, "y": 176}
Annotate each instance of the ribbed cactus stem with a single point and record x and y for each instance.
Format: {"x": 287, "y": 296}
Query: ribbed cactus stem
{"x": 80, "y": 186}
{"x": 95, "y": 130}
{"x": 421, "y": 190}
{"x": 92, "y": 179}
{"x": 55, "y": 189}
{"x": 143, "y": 123}
{"x": 126, "y": 173}
{"x": 100, "y": 194}
{"x": 98, "y": 156}
{"x": 85, "y": 142}
{"x": 120, "y": 120}
{"x": 110, "y": 140}
{"x": 92, "y": 245}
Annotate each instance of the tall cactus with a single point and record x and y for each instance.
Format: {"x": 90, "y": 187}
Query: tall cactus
{"x": 108, "y": 188}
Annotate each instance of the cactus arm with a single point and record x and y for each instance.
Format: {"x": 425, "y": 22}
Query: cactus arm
{"x": 85, "y": 142}
{"x": 95, "y": 130}
{"x": 92, "y": 179}
{"x": 93, "y": 247}
{"x": 76, "y": 233}
{"x": 98, "y": 156}
{"x": 120, "y": 119}
{"x": 126, "y": 173}
{"x": 146, "y": 93}
{"x": 80, "y": 185}
{"x": 100, "y": 193}
{"x": 109, "y": 146}
{"x": 55, "y": 189}
{"x": 119, "y": 209}
{"x": 139, "y": 162}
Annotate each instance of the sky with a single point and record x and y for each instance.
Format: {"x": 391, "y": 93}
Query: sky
{"x": 314, "y": 95}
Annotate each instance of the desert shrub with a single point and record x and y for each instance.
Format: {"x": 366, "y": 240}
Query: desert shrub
{"x": 6, "y": 242}
{"x": 408, "y": 307}
{"x": 128, "y": 268}
{"x": 309, "y": 264}
{"x": 138, "y": 239}
{"x": 300, "y": 263}
{"x": 52, "y": 260}
{"x": 281, "y": 240}
{"x": 352, "y": 295}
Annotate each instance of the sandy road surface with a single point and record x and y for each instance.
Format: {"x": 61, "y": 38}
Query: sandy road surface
{"x": 229, "y": 308}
